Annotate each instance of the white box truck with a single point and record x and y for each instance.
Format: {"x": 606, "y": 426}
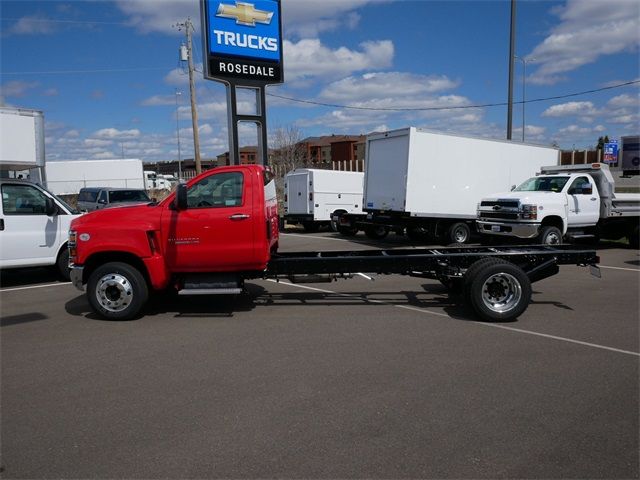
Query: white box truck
{"x": 563, "y": 202}
{"x": 630, "y": 154}
{"x": 313, "y": 196}
{"x": 21, "y": 139}
{"x": 65, "y": 177}
{"x": 430, "y": 183}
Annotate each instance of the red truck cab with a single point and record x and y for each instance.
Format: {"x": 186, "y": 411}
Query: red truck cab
{"x": 221, "y": 224}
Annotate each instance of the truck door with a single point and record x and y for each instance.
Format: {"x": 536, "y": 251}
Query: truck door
{"x": 29, "y": 236}
{"x": 298, "y": 199}
{"x": 215, "y": 232}
{"x": 584, "y": 202}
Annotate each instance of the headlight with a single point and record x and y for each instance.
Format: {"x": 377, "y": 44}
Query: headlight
{"x": 529, "y": 212}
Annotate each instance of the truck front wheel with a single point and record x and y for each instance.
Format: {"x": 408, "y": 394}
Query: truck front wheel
{"x": 500, "y": 292}
{"x": 550, "y": 235}
{"x": 117, "y": 291}
{"x": 458, "y": 233}
{"x": 376, "y": 232}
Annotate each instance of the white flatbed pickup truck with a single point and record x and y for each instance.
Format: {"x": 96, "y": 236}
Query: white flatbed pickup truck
{"x": 563, "y": 202}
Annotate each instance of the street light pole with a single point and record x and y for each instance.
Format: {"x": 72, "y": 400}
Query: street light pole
{"x": 524, "y": 76}
{"x": 178, "y": 135}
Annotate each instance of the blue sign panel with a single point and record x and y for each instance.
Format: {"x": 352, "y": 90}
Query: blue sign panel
{"x": 611, "y": 152}
{"x": 243, "y": 40}
{"x": 243, "y": 29}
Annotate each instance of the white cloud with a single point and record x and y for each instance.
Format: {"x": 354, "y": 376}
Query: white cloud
{"x": 310, "y": 58}
{"x": 384, "y": 85}
{"x": 159, "y": 15}
{"x": 158, "y": 100}
{"x": 17, "y": 88}
{"x": 112, "y": 133}
{"x": 50, "y": 92}
{"x": 570, "y": 109}
{"x": 587, "y": 31}
{"x": 96, "y": 142}
{"x": 36, "y": 24}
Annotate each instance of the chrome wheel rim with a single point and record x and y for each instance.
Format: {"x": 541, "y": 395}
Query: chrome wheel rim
{"x": 501, "y": 292}
{"x": 114, "y": 292}
{"x": 552, "y": 238}
{"x": 460, "y": 235}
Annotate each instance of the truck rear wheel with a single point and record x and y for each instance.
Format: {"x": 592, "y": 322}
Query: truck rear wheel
{"x": 376, "y": 232}
{"x": 500, "y": 291}
{"x": 550, "y": 235}
{"x": 458, "y": 233}
{"x": 117, "y": 291}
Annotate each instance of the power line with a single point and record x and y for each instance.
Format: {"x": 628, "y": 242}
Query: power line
{"x": 103, "y": 70}
{"x": 50, "y": 20}
{"x": 458, "y": 107}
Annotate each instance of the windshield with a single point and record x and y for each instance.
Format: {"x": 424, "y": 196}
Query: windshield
{"x": 128, "y": 196}
{"x": 543, "y": 184}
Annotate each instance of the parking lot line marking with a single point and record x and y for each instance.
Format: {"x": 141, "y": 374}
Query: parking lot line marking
{"x": 494, "y": 325}
{"x": 314, "y": 236}
{"x": 34, "y": 286}
{"x": 620, "y": 268}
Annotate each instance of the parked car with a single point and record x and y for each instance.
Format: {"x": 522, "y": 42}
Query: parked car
{"x": 35, "y": 227}
{"x": 95, "y": 198}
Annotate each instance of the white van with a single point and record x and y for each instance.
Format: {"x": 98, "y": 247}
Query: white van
{"x": 34, "y": 227}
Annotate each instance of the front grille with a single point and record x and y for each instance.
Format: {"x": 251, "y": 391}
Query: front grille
{"x": 499, "y": 215}
{"x": 500, "y": 203}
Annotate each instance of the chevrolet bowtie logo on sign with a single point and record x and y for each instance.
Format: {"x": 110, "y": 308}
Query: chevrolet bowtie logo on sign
{"x": 244, "y": 14}
{"x": 243, "y": 40}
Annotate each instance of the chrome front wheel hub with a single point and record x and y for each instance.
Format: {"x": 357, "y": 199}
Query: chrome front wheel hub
{"x": 114, "y": 292}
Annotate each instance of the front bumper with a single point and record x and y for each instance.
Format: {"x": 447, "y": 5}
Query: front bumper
{"x": 76, "y": 277}
{"x": 509, "y": 229}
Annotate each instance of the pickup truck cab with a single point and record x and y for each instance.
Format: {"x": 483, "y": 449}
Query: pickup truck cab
{"x": 34, "y": 226}
{"x": 573, "y": 201}
{"x": 202, "y": 239}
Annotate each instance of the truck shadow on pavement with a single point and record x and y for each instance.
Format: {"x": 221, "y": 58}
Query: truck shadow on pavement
{"x": 433, "y": 300}
{"x": 20, "y": 277}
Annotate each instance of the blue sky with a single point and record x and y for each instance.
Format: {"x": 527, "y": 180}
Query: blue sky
{"x": 105, "y": 72}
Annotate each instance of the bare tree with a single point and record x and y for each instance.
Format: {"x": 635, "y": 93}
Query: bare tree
{"x": 288, "y": 152}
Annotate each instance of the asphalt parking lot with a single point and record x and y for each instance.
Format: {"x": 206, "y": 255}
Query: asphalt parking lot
{"x": 390, "y": 378}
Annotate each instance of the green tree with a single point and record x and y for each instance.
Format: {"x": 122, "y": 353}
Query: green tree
{"x": 602, "y": 141}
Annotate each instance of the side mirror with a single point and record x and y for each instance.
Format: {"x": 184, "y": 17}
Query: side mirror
{"x": 513, "y": 187}
{"x": 587, "y": 190}
{"x": 50, "y": 207}
{"x": 180, "y": 202}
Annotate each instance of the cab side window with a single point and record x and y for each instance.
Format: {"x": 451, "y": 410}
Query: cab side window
{"x": 103, "y": 197}
{"x": 222, "y": 190}
{"x": 23, "y": 200}
{"x": 581, "y": 186}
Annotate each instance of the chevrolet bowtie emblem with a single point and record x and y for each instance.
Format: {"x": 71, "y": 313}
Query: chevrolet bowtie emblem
{"x": 244, "y": 14}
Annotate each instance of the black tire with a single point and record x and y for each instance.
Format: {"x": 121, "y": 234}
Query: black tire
{"x": 62, "y": 264}
{"x": 500, "y": 292}
{"x": 634, "y": 240}
{"x": 550, "y": 235}
{"x": 332, "y": 224}
{"x": 473, "y": 270}
{"x": 310, "y": 227}
{"x": 347, "y": 231}
{"x": 117, "y": 291}
{"x": 458, "y": 233}
{"x": 376, "y": 232}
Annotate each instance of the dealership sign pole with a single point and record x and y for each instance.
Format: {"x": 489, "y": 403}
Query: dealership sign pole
{"x": 243, "y": 49}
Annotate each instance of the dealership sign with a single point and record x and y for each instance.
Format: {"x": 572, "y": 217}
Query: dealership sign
{"x": 242, "y": 41}
{"x": 611, "y": 152}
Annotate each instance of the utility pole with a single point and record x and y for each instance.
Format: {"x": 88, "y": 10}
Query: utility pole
{"x": 512, "y": 46}
{"x": 188, "y": 29}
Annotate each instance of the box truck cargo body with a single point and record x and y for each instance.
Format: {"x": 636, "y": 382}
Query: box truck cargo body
{"x": 69, "y": 176}
{"x": 312, "y": 196}
{"x": 430, "y": 183}
{"x": 630, "y": 147}
{"x": 21, "y": 139}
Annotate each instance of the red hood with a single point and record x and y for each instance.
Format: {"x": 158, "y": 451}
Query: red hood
{"x": 118, "y": 217}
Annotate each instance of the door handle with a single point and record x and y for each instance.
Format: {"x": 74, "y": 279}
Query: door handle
{"x": 593, "y": 199}
{"x": 239, "y": 216}
{"x": 1, "y": 223}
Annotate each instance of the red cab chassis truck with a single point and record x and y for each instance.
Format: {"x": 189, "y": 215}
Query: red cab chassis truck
{"x": 221, "y": 228}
